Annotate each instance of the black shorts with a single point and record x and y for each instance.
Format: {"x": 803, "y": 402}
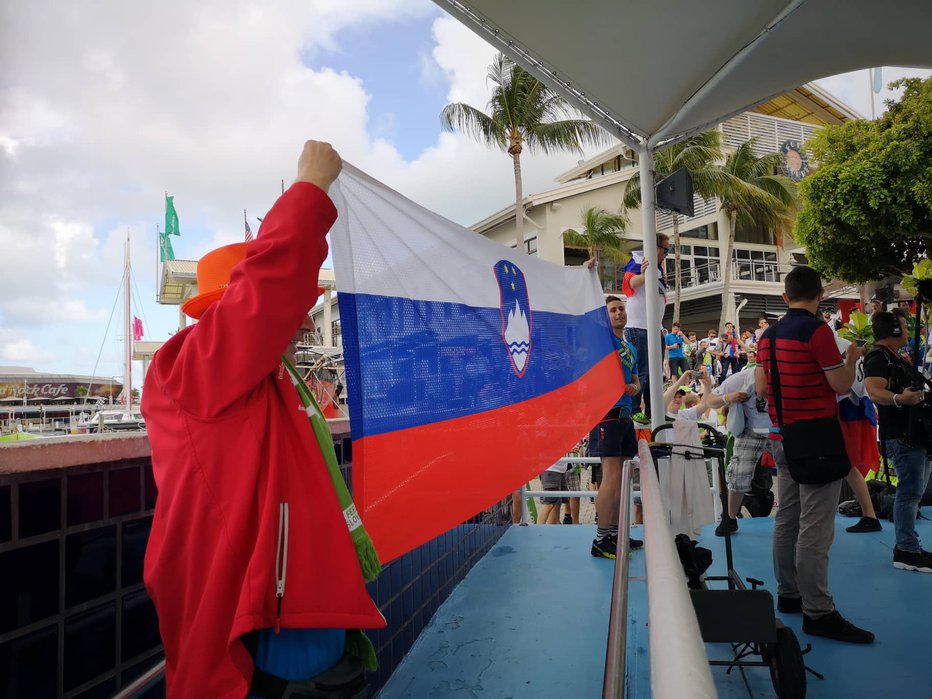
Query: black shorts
{"x": 596, "y": 474}
{"x": 613, "y": 436}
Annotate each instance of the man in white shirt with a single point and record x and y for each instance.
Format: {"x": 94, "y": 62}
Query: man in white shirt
{"x": 639, "y": 278}
{"x": 750, "y": 423}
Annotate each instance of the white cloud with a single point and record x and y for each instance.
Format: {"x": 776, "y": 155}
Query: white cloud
{"x": 23, "y": 352}
{"x": 854, "y": 88}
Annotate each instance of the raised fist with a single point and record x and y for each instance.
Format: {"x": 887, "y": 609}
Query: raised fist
{"x": 319, "y": 164}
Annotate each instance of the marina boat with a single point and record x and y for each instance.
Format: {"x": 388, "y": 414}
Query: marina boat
{"x": 110, "y": 420}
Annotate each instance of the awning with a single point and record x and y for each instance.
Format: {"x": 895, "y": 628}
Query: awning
{"x": 663, "y": 70}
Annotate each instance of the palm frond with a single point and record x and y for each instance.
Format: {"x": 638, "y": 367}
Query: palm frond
{"x": 475, "y": 123}
{"x": 569, "y": 134}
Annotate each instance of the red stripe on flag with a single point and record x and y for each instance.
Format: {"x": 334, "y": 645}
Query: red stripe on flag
{"x": 428, "y": 479}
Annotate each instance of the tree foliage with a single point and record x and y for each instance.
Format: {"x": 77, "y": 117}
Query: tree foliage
{"x": 599, "y": 234}
{"x": 752, "y": 194}
{"x": 522, "y": 111}
{"x": 868, "y": 207}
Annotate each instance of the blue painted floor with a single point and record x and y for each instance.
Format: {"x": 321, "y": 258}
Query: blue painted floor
{"x": 530, "y": 620}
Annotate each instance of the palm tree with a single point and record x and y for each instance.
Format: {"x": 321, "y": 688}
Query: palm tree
{"x": 599, "y": 235}
{"x": 700, "y": 155}
{"x": 522, "y": 111}
{"x": 752, "y": 194}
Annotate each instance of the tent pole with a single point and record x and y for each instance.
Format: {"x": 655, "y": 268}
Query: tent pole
{"x": 649, "y": 224}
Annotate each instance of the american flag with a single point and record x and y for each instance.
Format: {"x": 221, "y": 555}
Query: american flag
{"x": 248, "y": 229}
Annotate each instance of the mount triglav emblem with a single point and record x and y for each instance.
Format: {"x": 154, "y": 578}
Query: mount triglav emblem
{"x": 516, "y": 314}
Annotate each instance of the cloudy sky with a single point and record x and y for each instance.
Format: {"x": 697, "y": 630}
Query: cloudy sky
{"x": 107, "y": 105}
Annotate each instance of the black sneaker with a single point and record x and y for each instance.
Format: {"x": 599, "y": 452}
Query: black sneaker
{"x": 634, "y": 543}
{"x": 605, "y": 548}
{"x": 567, "y": 519}
{"x": 789, "y": 605}
{"x": 865, "y": 524}
{"x": 836, "y": 627}
{"x": 726, "y": 526}
{"x": 907, "y": 560}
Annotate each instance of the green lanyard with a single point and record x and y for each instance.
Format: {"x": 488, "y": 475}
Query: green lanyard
{"x": 368, "y": 558}
{"x": 357, "y": 643}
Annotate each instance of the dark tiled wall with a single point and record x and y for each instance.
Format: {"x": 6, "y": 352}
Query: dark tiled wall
{"x": 75, "y": 620}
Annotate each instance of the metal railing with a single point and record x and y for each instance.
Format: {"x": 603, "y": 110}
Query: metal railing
{"x": 144, "y": 682}
{"x": 710, "y": 273}
{"x": 616, "y": 649}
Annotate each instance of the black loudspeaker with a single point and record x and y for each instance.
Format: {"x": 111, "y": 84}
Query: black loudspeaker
{"x": 675, "y": 192}
{"x": 884, "y": 294}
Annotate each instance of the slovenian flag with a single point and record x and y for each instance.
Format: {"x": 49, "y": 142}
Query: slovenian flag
{"x": 858, "y": 418}
{"x": 470, "y": 368}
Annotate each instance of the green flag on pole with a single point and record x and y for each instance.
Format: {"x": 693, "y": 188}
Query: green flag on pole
{"x": 171, "y": 228}
{"x": 171, "y": 217}
{"x": 165, "y": 248}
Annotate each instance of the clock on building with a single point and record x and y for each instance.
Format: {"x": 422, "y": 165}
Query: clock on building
{"x": 795, "y": 161}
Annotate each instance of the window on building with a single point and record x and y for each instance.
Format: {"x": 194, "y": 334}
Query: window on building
{"x": 699, "y": 264}
{"x": 530, "y": 246}
{"x": 706, "y": 232}
{"x": 573, "y": 257}
{"x": 754, "y": 233}
{"x": 756, "y": 265}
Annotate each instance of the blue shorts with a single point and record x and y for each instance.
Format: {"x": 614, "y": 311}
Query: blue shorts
{"x": 613, "y": 436}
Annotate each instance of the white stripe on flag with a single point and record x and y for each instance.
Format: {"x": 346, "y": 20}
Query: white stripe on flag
{"x": 387, "y": 245}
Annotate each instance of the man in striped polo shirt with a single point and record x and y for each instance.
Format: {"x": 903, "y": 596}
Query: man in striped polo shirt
{"x": 812, "y": 372}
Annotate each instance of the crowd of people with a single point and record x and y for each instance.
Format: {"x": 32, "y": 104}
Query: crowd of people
{"x": 772, "y": 389}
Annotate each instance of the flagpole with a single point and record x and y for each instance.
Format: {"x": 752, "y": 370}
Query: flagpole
{"x": 158, "y": 267}
{"x": 128, "y": 366}
{"x": 870, "y": 90}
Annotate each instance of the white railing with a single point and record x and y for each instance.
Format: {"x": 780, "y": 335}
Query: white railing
{"x": 710, "y": 273}
{"x": 679, "y": 665}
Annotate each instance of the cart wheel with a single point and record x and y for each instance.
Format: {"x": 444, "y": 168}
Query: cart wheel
{"x": 787, "y": 669}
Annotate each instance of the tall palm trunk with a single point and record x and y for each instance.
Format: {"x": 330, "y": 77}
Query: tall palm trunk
{"x": 676, "y": 267}
{"x": 519, "y": 201}
{"x": 726, "y": 271}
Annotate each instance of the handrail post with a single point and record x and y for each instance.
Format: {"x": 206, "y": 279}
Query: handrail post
{"x": 525, "y": 515}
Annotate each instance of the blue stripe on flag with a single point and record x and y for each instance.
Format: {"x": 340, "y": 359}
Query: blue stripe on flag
{"x": 411, "y": 363}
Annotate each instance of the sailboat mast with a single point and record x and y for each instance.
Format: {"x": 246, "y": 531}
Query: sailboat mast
{"x": 128, "y": 358}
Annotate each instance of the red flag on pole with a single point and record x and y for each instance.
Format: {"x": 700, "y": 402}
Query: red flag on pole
{"x": 137, "y": 329}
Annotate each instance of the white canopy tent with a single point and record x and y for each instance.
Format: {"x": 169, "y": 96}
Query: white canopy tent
{"x": 652, "y": 73}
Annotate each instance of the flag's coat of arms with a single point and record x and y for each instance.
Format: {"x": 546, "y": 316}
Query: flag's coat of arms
{"x": 515, "y": 308}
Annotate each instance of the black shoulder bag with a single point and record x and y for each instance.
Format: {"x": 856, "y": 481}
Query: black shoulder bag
{"x": 814, "y": 449}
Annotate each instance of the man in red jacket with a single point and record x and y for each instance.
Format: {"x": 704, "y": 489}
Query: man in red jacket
{"x": 250, "y": 563}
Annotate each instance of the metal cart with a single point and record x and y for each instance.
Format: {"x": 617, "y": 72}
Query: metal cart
{"x": 738, "y": 615}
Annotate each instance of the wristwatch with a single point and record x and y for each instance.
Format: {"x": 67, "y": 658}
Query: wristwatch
{"x": 761, "y": 403}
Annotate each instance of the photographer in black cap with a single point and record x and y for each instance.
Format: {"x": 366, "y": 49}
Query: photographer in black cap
{"x": 896, "y": 389}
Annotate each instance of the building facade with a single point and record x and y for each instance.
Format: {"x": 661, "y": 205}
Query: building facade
{"x": 760, "y": 257}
